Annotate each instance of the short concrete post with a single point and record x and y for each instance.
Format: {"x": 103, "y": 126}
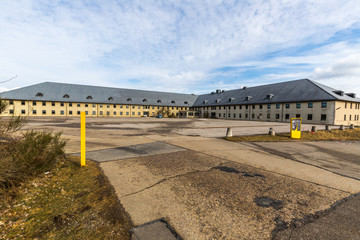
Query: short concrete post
{"x": 352, "y": 126}
{"x": 327, "y": 128}
{"x": 271, "y": 132}
{"x": 313, "y": 129}
{"x": 341, "y": 128}
{"x": 229, "y": 132}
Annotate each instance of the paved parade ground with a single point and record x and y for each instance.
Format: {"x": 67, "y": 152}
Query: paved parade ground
{"x": 184, "y": 173}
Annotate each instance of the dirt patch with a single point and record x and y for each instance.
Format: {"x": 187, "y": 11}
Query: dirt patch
{"x": 269, "y": 202}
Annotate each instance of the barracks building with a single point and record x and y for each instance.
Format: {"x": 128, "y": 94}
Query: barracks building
{"x": 313, "y": 102}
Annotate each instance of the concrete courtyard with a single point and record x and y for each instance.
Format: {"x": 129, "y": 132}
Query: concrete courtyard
{"x": 205, "y": 187}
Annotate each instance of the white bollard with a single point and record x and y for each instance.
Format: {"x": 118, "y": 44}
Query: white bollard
{"x": 229, "y": 132}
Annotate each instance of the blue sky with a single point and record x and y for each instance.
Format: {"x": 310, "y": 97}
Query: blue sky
{"x": 180, "y": 46}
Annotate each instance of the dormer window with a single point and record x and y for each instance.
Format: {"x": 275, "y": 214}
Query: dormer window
{"x": 159, "y": 101}
{"x": 39, "y": 94}
{"x": 110, "y": 98}
{"x": 218, "y": 100}
{"x": 144, "y": 100}
{"x": 173, "y": 101}
{"x": 66, "y": 96}
{"x": 205, "y": 101}
{"x": 129, "y": 100}
{"x": 270, "y": 96}
{"x": 186, "y": 102}
{"x": 231, "y": 99}
{"x": 89, "y": 97}
{"x": 248, "y": 98}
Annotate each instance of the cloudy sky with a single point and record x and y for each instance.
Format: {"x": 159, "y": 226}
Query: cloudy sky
{"x": 185, "y": 46}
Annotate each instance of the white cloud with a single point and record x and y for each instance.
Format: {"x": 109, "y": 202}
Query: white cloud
{"x": 170, "y": 45}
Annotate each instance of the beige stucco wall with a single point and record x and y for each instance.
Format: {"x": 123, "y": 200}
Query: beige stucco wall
{"x": 30, "y": 108}
{"x": 349, "y": 109}
{"x": 277, "y": 112}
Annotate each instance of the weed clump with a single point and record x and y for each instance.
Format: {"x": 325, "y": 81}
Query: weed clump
{"x": 25, "y": 155}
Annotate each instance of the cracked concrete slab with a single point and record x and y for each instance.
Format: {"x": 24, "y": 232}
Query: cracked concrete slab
{"x": 131, "y": 151}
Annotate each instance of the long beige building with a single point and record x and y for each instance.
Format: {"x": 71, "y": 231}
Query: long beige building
{"x": 312, "y": 101}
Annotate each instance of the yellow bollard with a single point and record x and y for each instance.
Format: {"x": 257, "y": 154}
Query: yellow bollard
{"x": 83, "y": 152}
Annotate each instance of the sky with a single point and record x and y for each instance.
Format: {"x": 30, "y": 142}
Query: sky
{"x": 189, "y": 46}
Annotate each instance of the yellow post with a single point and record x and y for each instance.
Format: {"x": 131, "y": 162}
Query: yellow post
{"x": 83, "y": 152}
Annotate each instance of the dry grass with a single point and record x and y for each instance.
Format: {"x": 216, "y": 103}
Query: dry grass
{"x": 334, "y": 135}
{"x": 69, "y": 201}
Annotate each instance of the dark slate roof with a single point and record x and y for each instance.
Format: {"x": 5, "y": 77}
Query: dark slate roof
{"x": 302, "y": 90}
{"x": 79, "y": 93}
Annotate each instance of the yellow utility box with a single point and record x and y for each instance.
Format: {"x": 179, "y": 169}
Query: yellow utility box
{"x": 295, "y": 127}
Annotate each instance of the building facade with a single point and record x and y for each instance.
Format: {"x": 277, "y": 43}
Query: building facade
{"x": 313, "y": 102}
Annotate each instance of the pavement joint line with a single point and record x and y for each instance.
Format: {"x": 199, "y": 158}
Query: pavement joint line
{"x": 268, "y": 150}
{"x": 266, "y": 170}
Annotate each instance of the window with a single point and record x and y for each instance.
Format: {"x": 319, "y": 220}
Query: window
{"x": 240, "y": 107}
{"x": 253, "y": 115}
{"x": 22, "y": 102}
{"x": 247, "y": 106}
{"x": 121, "y": 113}
{"x": 269, "y": 106}
{"x": 86, "y": 105}
{"x": 53, "y": 104}
{"x": 86, "y": 113}
{"x": 298, "y": 115}
{"x": 44, "y": 112}
{"x": 62, "y": 112}
{"x": 298, "y": 105}
{"x": 89, "y": 97}
{"x": 39, "y": 94}
{"x": 219, "y": 114}
{"x": 287, "y": 116}
{"x": 11, "y": 111}
{"x": 108, "y": 106}
{"x": 323, "y": 117}
{"x": 34, "y": 103}
{"x": 127, "y": 113}
{"x": 52, "y": 112}
{"x": 78, "y": 105}
{"x": 260, "y": 106}
{"x": 268, "y": 116}
{"x": 246, "y": 115}
{"x": 345, "y": 104}
{"x": 324, "y": 104}
{"x": 224, "y": 115}
{"x": 139, "y": 113}
{"x": 94, "y": 105}
{"x": 173, "y": 101}
{"x": 134, "y": 107}
{"x": 350, "y": 117}
{"x": 62, "y": 104}
{"x": 114, "y": 113}
{"x": 34, "y": 112}
{"x": 309, "y": 117}
{"x": 234, "y": 115}
{"x": 94, "y": 113}
{"x": 234, "y": 107}
{"x": 101, "y": 105}
{"x": 240, "y": 116}
{"x": 287, "y": 105}
{"x": 66, "y": 96}
{"x": 345, "y": 117}
{"x": 11, "y": 102}
{"x": 110, "y": 98}
{"x": 133, "y": 113}
{"x": 277, "y": 116}
{"x": 310, "y": 105}
{"x": 44, "y": 103}
{"x": 278, "y": 106}
{"x": 253, "y": 106}
{"x": 70, "y": 104}
{"x": 70, "y": 112}
{"x": 101, "y": 112}
{"x": 78, "y": 112}
{"x": 229, "y": 107}
{"x": 350, "y": 105}
{"x": 114, "y": 105}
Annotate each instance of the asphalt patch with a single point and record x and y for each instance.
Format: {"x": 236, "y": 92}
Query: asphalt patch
{"x": 154, "y": 230}
{"x": 233, "y": 170}
{"x": 269, "y": 202}
{"x": 131, "y": 151}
